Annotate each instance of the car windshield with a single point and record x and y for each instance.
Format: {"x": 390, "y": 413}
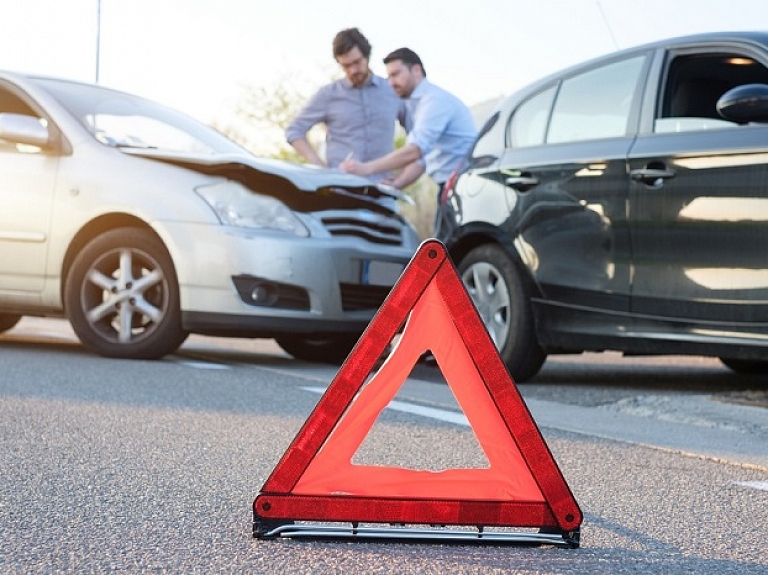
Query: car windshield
{"x": 118, "y": 119}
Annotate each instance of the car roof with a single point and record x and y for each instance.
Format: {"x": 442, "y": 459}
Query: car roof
{"x": 25, "y": 78}
{"x": 758, "y": 37}
{"x": 17, "y": 75}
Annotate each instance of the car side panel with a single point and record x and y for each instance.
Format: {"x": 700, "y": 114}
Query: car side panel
{"x": 571, "y": 228}
{"x": 700, "y": 238}
{"x": 27, "y": 181}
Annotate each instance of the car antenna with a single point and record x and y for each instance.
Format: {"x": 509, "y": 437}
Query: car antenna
{"x": 607, "y": 24}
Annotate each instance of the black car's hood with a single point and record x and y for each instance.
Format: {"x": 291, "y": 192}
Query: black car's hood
{"x": 302, "y": 187}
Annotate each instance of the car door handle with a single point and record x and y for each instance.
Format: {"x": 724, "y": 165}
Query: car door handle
{"x": 652, "y": 177}
{"x": 521, "y": 183}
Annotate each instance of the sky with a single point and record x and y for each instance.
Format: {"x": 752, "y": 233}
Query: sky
{"x": 200, "y": 55}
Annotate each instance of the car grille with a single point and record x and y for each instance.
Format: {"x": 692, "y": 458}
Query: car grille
{"x": 370, "y": 227}
{"x": 356, "y": 297}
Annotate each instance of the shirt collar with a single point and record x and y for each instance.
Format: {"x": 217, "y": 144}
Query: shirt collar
{"x": 373, "y": 80}
{"x": 419, "y": 90}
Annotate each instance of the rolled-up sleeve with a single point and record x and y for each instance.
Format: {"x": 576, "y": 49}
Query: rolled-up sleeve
{"x": 429, "y": 123}
{"x": 312, "y": 113}
{"x": 443, "y": 129}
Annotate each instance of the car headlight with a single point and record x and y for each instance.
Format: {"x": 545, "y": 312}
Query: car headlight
{"x": 236, "y": 205}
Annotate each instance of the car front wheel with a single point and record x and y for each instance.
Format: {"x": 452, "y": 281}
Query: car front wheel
{"x": 122, "y": 296}
{"x": 495, "y": 285}
{"x": 7, "y": 321}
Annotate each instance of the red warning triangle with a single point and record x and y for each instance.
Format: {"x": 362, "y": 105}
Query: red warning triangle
{"x": 522, "y": 487}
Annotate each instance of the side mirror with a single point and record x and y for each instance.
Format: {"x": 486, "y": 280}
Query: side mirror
{"x": 743, "y": 104}
{"x": 21, "y": 129}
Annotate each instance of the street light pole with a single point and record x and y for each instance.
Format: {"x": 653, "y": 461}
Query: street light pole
{"x": 98, "y": 37}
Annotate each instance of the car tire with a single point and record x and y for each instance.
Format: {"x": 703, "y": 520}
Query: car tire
{"x": 746, "y": 366}
{"x": 122, "y": 296}
{"x": 329, "y": 349}
{"x": 7, "y": 321}
{"x": 502, "y": 300}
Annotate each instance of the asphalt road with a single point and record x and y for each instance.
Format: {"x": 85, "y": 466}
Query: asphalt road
{"x": 151, "y": 467}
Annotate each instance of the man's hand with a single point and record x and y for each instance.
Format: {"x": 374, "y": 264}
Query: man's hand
{"x": 407, "y": 157}
{"x": 352, "y": 166}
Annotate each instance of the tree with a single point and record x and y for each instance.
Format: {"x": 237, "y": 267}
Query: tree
{"x": 262, "y": 114}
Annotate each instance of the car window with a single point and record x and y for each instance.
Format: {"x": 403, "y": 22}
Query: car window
{"x": 694, "y": 83}
{"x": 529, "y": 123}
{"x": 123, "y": 120}
{"x": 597, "y": 103}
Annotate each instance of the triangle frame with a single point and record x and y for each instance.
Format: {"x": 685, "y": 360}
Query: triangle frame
{"x": 289, "y": 496}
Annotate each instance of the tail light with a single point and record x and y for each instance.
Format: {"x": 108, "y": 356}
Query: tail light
{"x": 450, "y": 183}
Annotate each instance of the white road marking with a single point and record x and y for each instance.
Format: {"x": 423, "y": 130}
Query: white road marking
{"x": 204, "y": 365}
{"x": 761, "y": 485}
{"x": 431, "y": 412}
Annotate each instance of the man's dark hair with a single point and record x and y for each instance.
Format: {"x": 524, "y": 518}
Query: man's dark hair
{"x": 408, "y": 57}
{"x": 347, "y": 39}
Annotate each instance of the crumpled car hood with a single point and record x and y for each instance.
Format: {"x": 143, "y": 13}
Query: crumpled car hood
{"x": 301, "y": 187}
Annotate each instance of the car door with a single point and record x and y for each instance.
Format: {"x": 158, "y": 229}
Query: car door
{"x": 699, "y": 198}
{"x": 566, "y": 162}
{"x": 27, "y": 178}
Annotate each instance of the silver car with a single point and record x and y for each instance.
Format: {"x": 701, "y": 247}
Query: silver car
{"x": 141, "y": 226}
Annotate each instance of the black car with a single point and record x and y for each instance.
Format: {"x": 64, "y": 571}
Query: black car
{"x": 622, "y": 204}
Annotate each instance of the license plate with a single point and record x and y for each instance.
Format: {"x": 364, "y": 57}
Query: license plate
{"x": 379, "y": 273}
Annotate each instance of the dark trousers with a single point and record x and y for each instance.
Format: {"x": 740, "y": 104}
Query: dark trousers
{"x": 436, "y": 224}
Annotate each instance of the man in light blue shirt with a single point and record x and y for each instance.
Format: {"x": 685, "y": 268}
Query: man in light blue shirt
{"x": 359, "y": 110}
{"x": 440, "y": 127}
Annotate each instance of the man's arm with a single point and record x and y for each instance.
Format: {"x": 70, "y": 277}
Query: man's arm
{"x": 303, "y": 147}
{"x": 313, "y": 112}
{"x": 407, "y": 175}
{"x": 396, "y": 159}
